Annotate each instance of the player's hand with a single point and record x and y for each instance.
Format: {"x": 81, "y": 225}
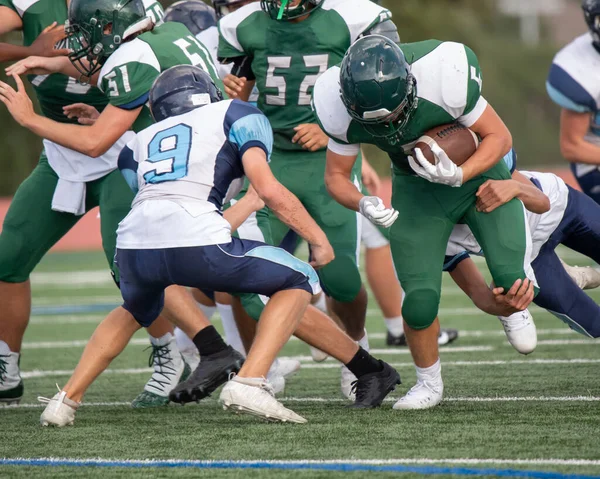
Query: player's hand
{"x": 36, "y": 66}
{"x": 310, "y": 137}
{"x": 372, "y": 208}
{"x": 257, "y": 202}
{"x": 444, "y": 171}
{"x": 518, "y": 298}
{"x": 85, "y": 114}
{"x": 17, "y": 101}
{"x": 321, "y": 254}
{"x": 495, "y": 193}
{"x": 370, "y": 178}
{"x": 234, "y": 85}
{"x": 45, "y": 44}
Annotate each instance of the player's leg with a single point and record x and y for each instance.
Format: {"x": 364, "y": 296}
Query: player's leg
{"x": 590, "y": 183}
{"x": 418, "y": 240}
{"x": 114, "y": 197}
{"x": 584, "y": 231}
{"x": 561, "y": 296}
{"x": 30, "y": 229}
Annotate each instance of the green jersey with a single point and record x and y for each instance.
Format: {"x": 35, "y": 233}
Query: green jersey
{"x": 128, "y": 74}
{"x": 448, "y": 89}
{"x": 53, "y": 91}
{"x": 288, "y": 58}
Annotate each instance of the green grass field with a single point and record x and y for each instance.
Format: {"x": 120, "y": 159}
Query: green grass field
{"x": 502, "y": 411}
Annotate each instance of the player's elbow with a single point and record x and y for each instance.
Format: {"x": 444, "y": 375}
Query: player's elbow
{"x": 569, "y": 149}
{"x": 269, "y": 191}
{"x": 94, "y": 148}
{"x": 506, "y": 141}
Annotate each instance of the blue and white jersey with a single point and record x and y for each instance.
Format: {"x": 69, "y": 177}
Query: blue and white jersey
{"x": 574, "y": 84}
{"x": 182, "y": 169}
{"x": 462, "y": 241}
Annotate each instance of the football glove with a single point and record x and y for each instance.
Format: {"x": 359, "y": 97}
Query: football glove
{"x": 444, "y": 171}
{"x": 372, "y": 208}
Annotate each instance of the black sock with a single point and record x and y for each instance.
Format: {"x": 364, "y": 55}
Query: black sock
{"x": 363, "y": 363}
{"x": 209, "y": 341}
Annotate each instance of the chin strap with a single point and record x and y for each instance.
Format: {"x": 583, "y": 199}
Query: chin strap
{"x": 282, "y": 9}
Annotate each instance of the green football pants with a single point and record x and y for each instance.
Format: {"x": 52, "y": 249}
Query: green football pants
{"x": 303, "y": 173}
{"x": 428, "y": 213}
{"x": 31, "y": 228}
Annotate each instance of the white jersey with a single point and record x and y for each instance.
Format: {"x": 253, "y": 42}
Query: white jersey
{"x": 541, "y": 226}
{"x": 574, "y": 84}
{"x": 182, "y": 169}
{"x": 210, "y": 39}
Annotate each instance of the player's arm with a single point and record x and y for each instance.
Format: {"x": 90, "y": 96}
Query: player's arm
{"x": 242, "y": 209}
{"x": 574, "y": 126}
{"x": 495, "y": 193}
{"x": 92, "y": 140}
{"x": 468, "y": 277}
{"x": 40, "y": 65}
{"x": 241, "y": 81}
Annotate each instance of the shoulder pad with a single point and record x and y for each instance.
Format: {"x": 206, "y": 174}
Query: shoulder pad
{"x": 358, "y": 15}
{"x": 228, "y": 25}
{"x": 328, "y": 105}
{"x": 387, "y": 28}
{"x": 135, "y": 51}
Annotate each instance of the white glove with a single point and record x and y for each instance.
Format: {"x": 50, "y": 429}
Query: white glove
{"x": 444, "y": 171}
{"x": 372, "y": 208}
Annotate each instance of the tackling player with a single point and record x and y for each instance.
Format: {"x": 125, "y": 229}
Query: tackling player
{"x": 572, "y": 84}
{"x": 390, "y": 96}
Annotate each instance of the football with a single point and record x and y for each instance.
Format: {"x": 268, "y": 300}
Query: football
{"x": 456, "y": 140}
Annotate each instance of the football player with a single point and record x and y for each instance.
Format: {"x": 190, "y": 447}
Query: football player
{"x": 572, "y": 85}
{"x": 390, "y": 96}
{"x": 272, "y": 45}
{"x": 117, "y": 47}
{"x": 64, "y": 185}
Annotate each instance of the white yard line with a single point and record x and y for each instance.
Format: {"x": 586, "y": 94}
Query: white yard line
{"x": 77, "y": 279}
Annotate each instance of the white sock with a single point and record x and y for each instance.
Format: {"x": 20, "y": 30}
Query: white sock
{"x": 209, "y": 311}
{"x": 321, "y": 303}
{"x": 395, "y": 326}
{"x": 232, "y": 335}
{"x": 364, "y": 341}
{"x": 184, "y": 343}
{"x": 162, "y": 341}
{"x": 4, "y": 349}
{"x": 432, "y": 373}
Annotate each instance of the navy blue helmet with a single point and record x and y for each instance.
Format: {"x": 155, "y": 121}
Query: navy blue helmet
{"x": 222, "y": 6}
{"x": 591, "y": 11}
{"x": 194, "y": 14}
{"x": 181, "y": 89}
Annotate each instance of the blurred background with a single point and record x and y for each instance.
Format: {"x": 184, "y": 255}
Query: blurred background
{"x": 515, "y": 41}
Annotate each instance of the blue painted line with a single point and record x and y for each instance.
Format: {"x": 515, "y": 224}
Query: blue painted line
{"x": 73, "y": 309}
{"x": 298, "y": 466}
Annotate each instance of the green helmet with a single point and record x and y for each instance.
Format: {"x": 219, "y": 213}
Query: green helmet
{"x": 282, "y": 10}
{"x": 96, "y": 28}
{"x": 377, "y": 86}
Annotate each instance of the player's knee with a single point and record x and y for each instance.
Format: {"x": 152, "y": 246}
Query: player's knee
{"x": 420, "y": 308}
{"x": 341, "y": 280}
{"x": 15, "y": 261}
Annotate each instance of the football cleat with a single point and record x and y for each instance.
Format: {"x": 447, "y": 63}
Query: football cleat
{"x": 318, "y": 356}
{"x": 423, "y": 395}
{"x": 254, "y": 396}
{"x": 446, "y": 336}
{"x": 191, "y": 358}
{"x": 371, "y": 389}
{"x": 347, "y": 381}
{"x": 585, "y": 277}
{"x": 11, "y": 385}
{"x": 520, "y": 331}
{"x": 60, "y": 410}
{"x": 282, "y": 369}
{"x": 169, "y": 370}
{"x": 213, "y": 371}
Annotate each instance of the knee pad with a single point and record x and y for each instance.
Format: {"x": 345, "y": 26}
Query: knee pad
{"x": 16, "y": 262}
{"x": 341, "y": 279}
{"x": 420, "y": 308}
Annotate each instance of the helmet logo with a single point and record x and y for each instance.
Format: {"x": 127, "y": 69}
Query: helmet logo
{"x": 201, "y": 99}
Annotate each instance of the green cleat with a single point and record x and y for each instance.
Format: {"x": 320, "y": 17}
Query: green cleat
{"x": 147, "y": 399}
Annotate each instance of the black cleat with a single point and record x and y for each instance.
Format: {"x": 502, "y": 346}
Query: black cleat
{"x": 446, "y": 337}
{"x": 212, "y": 372}
{"x": 371, "y": 389}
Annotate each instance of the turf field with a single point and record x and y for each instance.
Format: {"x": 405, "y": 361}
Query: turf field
{"x": 504, "y": 416}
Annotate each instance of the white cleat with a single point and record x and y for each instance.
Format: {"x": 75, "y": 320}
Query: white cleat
{"x": 347, "y": 381}
{"x": 254, "y": 396}
{"x": 282, "y": 369}
{"x": 318, "y": 356}
{"x": 520, "y": 331}
{"x": 60, "y": 410}
{"x": 585, "y": 277}
{"x": 423, "y": 395}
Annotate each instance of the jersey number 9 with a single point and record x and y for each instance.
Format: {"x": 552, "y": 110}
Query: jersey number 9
{"x": 169, "y": 151}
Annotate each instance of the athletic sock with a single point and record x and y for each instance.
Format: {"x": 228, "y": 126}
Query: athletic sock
{"x": 321, "y": 303}
{"x": 209, "y": 311}
{"x": 395, "y": 326}
{"x": 363, "y": 363}
{"x": 209, "y": 341}
{"x": 364, "y": 342}
{"x": 232, "y": 335}
{"x": 432, "y": 373}
{"x": 184, "y": 343}
{"x": 162, "y": 341}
